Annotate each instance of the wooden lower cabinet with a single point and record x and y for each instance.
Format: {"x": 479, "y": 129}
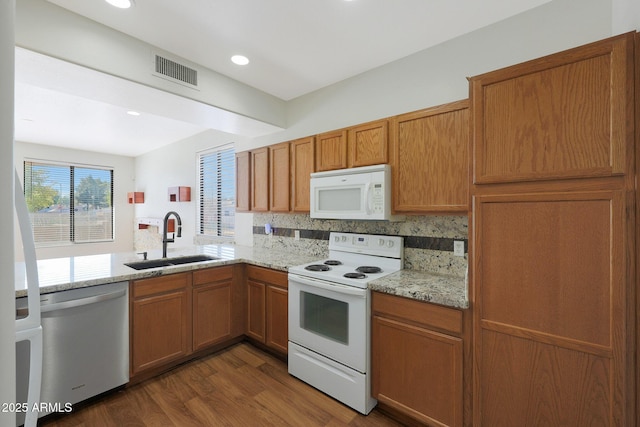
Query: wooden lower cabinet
{"x": 216, "y": 307}
{"x": 417, "y": 364}
{"x": 177, "y": 315}
{"x": 160, "y": 321}
{"x": 277, "y": 318}
{"x": 267, "y": 307}
{"x": 551, "y": 316}
{"x": 256, "y": 306}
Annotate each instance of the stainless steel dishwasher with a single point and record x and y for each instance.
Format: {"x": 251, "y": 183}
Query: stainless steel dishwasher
{"x": 85, "y": 345}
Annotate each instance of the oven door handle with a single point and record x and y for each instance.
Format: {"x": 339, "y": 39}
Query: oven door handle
{"x": 334, "y": 287}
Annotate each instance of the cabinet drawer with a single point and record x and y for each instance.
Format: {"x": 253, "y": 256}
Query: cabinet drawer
{"x": 211, "y": 275}
{"x": 272, "y": 277}
{"x": 418, "y": 312}
{"x": 156, "y": 285}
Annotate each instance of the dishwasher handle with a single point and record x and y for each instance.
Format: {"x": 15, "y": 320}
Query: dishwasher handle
{"x": 82, "y": 301}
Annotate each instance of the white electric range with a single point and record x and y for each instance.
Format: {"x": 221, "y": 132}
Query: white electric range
{"x": 329, "y": 315}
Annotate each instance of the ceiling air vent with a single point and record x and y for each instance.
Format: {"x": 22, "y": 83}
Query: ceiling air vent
{"x": 175, "y": 71}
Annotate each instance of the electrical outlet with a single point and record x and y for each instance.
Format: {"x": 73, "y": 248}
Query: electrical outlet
{"x": 296, "y": 235}
{"x": 458, "y": 248}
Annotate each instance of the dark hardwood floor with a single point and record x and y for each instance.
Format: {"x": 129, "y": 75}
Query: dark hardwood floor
{"x": 239, "y": 386}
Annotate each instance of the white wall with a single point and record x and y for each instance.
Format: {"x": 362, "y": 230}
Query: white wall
{"x": 7, "y": 287}
{"x": 626, "y": 16}
{"x": 439, "y": 74}
{"x": 124, "y": 182}
{"x": 171, "y": 166}
{"x": 431, "y": 77}
{"x": 47, "y": 28}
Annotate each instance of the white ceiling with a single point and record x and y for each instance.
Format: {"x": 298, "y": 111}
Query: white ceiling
{"x": 295, "y": 47}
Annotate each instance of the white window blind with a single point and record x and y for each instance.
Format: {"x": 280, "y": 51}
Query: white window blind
{"x": 217, "y": 196}
{"x": 69, "y": 203}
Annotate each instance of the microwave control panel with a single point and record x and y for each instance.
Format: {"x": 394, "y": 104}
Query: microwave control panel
{"x": 377, "y": 198}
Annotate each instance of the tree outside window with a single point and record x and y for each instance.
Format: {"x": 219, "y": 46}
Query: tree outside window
{"x": 69, "y": 203}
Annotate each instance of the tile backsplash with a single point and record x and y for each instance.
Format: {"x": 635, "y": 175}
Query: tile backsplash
{"x": 428, "y": 240}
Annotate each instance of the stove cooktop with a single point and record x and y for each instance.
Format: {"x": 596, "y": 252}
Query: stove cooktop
{"x": 356, "y": 259}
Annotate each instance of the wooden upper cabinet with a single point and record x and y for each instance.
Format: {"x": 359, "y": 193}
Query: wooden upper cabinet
{"x": 243, "y": 181}
{"x": 331, "y": 150}
{"x": 368, "y": 144}
{"x": 279, "y": 177}
{"x": 430, "y": 160}
{"x": 302, "y": 165}
{"x": 566, "y": 115}
{"x": 260, "y": 179}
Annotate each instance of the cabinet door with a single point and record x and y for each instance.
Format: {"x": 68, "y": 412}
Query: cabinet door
{"x": 331, "y": 150}
{"x": 430, "y": 161}
{"x": 277, "y": 318}
{"x": 417, "y": 371}
{"x": 161, "y": 321}
{"x": 279, "y": 177}
{"x": 256, "y": 310}
{"x": 302, "y": 165}
{"x": 260, "y": 180}
{"x": 368, "y": 144}
{"x": 212, "y": 306}
{"x": 550, "y": 313}
{"x": 562, "y": 116}
{"x": 243, "y": 181}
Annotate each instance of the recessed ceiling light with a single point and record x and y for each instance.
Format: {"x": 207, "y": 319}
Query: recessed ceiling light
{"x": 239, "y": 59}
{"x": 122, "y": 4}
{"x": 133, "y": 113}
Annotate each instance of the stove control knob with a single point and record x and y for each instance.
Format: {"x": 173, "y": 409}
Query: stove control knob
{"x": 390, "y": 243}
{"x": 344, "y": 238}
{"x": 336, "y": 239}
{"x": 381, "y": 242}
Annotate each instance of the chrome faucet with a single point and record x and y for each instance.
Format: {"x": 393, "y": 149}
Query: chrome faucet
{"x": 166, "y": 240}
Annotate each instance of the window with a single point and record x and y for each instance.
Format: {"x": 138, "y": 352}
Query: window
{"x": 69, "y": 203}
{"x": 217, "y": 198}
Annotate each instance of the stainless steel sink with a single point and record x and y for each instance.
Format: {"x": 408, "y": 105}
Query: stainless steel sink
{"x": 167, "y": 262}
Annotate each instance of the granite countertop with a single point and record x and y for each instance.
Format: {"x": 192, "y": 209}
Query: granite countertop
{"x": 60, "y": 274}
{"x": 425, "y": 286}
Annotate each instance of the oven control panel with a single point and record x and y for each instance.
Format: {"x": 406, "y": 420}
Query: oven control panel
{"x": 371, "y": 244}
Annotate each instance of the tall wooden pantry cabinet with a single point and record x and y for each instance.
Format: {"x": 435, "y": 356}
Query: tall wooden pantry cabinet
{"x": 553, "y": 239}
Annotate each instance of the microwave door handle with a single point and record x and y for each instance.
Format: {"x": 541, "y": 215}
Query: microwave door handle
{"x": 367, "y": 198}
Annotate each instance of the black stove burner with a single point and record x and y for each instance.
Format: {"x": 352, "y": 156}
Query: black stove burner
{"x": 355, "y": 275}
{"x": 368, "y": 269}
{"x": 333, "y": 262}
{"x": 317, "y": 267}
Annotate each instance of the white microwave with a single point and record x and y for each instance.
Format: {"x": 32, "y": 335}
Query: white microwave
{"x": 356, "y": 193}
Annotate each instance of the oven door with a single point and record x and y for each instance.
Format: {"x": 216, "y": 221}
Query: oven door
{"x": 330, "y": 319}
